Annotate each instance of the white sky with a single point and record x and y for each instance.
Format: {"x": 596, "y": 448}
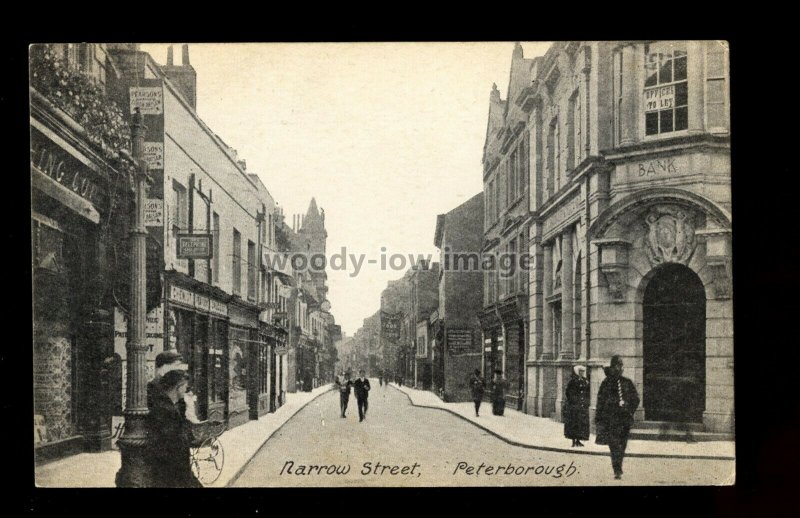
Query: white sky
{"x": 384, "y": 135}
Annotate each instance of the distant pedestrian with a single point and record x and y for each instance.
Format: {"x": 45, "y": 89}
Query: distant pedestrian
{"x": 617, "y": 400}
{"x": 576, "y": 407}
{"x": 477, "y": 385}
{"x": 498, "y": 388}
{"x": 380, "y": 379}
{"x": 169, "y": 435}
{"x": 344, "y": 384}
{"x": 361, "y": 388}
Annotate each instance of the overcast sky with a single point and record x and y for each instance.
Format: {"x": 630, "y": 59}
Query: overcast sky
{"x": 384, "y": 135}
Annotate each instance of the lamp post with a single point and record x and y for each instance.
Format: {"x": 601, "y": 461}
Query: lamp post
{"x": 133, "y": 472}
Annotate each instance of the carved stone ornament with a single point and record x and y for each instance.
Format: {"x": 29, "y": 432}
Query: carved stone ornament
{"x": 670, "y": 236}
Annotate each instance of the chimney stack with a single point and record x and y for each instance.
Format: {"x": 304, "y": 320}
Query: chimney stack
{"x": 183, "y": 76}
{"x": 243, "y": 164}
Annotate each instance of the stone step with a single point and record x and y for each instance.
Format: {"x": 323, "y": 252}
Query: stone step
{"x": 640, "y": 434}
{"x": 667, "y": 426}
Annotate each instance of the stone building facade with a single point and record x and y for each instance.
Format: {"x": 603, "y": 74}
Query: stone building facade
{"x": 506, "y": 172}
{"x": 630, "y": 231}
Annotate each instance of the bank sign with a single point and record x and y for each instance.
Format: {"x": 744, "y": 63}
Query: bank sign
{"x": 194, "y": 246}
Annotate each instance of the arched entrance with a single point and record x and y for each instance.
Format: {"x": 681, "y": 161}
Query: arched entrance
{"x": 674, "y": 311}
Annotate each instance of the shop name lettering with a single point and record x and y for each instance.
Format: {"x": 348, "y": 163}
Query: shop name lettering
{"x": 367, "y": 469}
{"x": 124, "y": 334}
{"x": 656, "y": 167}
{"x": 55, "y": 167}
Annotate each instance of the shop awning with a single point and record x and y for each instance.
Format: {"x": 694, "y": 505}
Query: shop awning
{"x": 66, "y": 197}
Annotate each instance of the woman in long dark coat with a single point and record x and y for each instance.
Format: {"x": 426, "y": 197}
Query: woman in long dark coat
{"x": 169, "y": 435}
{"x": 576, "y": 407}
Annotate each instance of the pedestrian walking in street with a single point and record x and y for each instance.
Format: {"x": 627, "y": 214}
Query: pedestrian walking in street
{"x": 165, "y": 361}
{"x": 169, "y": 435}
{"x": 498, "y": 388}
{"x": 617, "y": 400}
{"x": 361, "y": 388}
{"x": 576, "y": 407}
{"x": 380, "y": 379}
{"x": 477, "y": 385}
{"x": 343, "y": 382}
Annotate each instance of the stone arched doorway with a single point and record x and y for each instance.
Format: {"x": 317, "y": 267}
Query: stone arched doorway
{"x": 674, "y": 336}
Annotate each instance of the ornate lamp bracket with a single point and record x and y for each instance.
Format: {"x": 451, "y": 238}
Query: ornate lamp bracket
{"x": 614, "y": 266}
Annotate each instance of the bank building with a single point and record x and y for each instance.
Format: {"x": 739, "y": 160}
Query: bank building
{"x": 627, "y": 145}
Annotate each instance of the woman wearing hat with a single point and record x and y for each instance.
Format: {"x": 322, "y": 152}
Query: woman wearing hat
{"x": 576, "y": 407}
{"x": 169, "y": 434}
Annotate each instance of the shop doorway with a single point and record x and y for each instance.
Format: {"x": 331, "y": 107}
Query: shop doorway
{"x": 674, "y": 313}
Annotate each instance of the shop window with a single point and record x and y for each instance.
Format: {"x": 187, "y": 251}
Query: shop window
{"x": 666, "y": 91}
{"x": 236, "y": 267}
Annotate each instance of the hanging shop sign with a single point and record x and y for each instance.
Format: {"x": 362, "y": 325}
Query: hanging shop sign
{"x": 149, "y": 100}
{"x": 194, "y": 246}
{"x": 154, "y": 155}
{"x": 390, "y": 326}
{"x": 154, "y": 213}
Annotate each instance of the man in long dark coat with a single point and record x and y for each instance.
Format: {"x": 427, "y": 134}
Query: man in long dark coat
{"x": 576, "y": 407}
{"x": 477, "y": 386}
{"x": 361, "y": 388}
{"x": 617, "y": 400}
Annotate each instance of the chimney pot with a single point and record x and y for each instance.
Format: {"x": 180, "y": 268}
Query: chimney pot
{"x": 169, "y": 56}
{"x": 185, "y": 54}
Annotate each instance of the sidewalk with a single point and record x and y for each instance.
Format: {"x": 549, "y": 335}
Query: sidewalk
{"x": 543, "y": 433}
{"x": 239, "y": 445}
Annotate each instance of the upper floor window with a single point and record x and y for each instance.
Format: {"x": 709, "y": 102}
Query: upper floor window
{"x": 617, "y": 87}
{"x": 553, "y": 157}
{"x": 251, "y": 270}
{"x": 180, "y": 207}
{"x": 574, "y": 133}
{"x": 215, "y": 251}
{"x": 513, "y": 177}
{"x": 716, "y": 89}
{"x": 237, "y": 263}
{"x": 524, "y": 163}
{"x": 666, "y": 91}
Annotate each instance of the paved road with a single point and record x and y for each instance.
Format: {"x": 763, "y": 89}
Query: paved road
{"x": 402, "y": 445}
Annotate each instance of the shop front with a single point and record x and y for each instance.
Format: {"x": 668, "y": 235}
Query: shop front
{"x": 72, "y": 230}
{"x": 244, "y": 350}
{"x": 493, "y": 343}
{"x": 265, "y": 388}
{"x": 198, "y": 327}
